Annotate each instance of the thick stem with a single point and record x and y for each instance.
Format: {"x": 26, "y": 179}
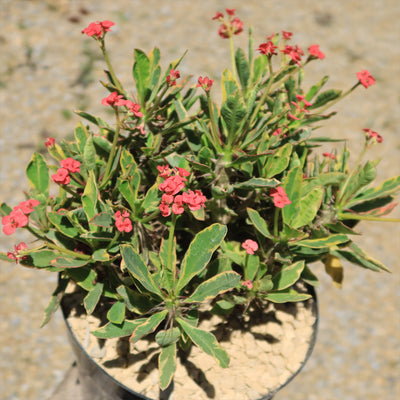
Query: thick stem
{"x": 170, "y": 265}
{"x": 358, "y": 217}
{"x": 276, "y": 221}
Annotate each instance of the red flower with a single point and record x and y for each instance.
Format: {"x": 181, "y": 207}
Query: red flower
{"x": 295, "y": 53}
{"x": 98, "y": 28}
{"x": 277, "y": 132}
{"x": 365, "y": 78}
{"x": 61, "y": 177}
{"x": 279, "y": 196}
{"x": 329, "y": 155}
{"x": 16, "y": 219}
{"x": 15, "y": 255}
{"x": 165, "y": 210}
{"x": 172, "y": 77}
{"x": 230, "y": 11}
{"x": 172, "y": 185}
{"x": 177, "y": 207}
{"x": 287, "y": 35}
{"x": 50, "y": 142}
{"x": 316, "y": 52}
{"x": 372, "y": 134}
{"x": 133, "y": 107}
{"x": 303, "y": 99}
{"x": 205, "y": 83}
{"x": 248, "y": 284}
{"x": 122, "y": 221}
{"x": 267, "y": 48}
{"x": 183, "y": 172}
{"x": 218, "y": 15}
{"x": 164, "y": 171}
{"x": 113, "y": 99}
{"x": 71, "y": 165}
{"x": 195, "y": 200}
{"x": 250, "y": 246}
{"x": 27, "y": 206}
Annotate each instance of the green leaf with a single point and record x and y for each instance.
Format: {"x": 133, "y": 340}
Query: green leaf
{"x": 38, "y": 173}
{"x": 63, "y": 224}
{"x": 152, "y": 199}
{"x": 68, "y": 262}
{"x": 279, "y": 161}
{"x": 89, "y": 197}
{"x": 103, "y": 219}
{"x": 292, "y": 186}
{"x": 288, "y": 276}
{"x": 138, "y": 269}
{"x": 167, "y": 365}
{"x": 141, "y": 74}
{"x": 326, "y": 179}
{"x": 256, "y": 183}
{"x": 199, "y": 253}
{"x": 308, "y": 277}
{"x": 233, "y": 111}
{"x": 81, "y": 136}
{"x": 229, "y": 84}
{"x": 111, "y": 330}
{"x": 316, "y": 88}
{"x": 166, "y": 337}
{"x": 206, "y": 341}
{"x": 125, "y": 188}
{"x": 116, "y": 314}
{"x": 134, "y": 301}
{"x": 100, "y": 255}
{"x": 242, "y": 67}
{"x": 93, "y": 297}
{"x": 329, "y": 241}
{"x": 89, "y": 154}
{"x": 287, "y": 295}
{"x": 55, "y": 301}
{"x": 326, "y": 97}
{"x": 214, "y": 286}
{"x": 148, "y": 326}
{"x": 309, "y": 206}
{"x": 259, "y": 223}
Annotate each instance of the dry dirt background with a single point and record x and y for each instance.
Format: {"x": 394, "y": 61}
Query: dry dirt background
{"x": 48, "y": 69}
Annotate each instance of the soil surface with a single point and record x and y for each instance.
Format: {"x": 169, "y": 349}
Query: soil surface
{"x": 48, "y": 68}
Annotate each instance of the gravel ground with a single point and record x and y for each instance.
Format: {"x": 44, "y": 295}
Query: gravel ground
{"x": 47, "y": 69}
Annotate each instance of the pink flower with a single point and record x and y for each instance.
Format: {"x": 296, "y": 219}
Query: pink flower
{"x": 172, "y": 185}
{"x": 205, "y": 83}
{"x": 287, "y": 35}
{"x": 267, "y": 48}
{"x": 303, "y": 99}
{"x": 113, "y": 99}
{"x": 167, "y": 198}
{"x": 218, "y": 15}
{"x": 365, "y": 78}
{"x": 62, "y": 176}
{"x": 71, "y": 165}
{"x": 165, "y": 210}
{"x": 248, "y": 284}
{"x": 250, "y": 246}
{"x": 15, "y": 255}
{"x": 195, "y": 200}
{"x": 316, "y": 52}
{"x": 372, "y": 134}
{"x": 16, "y": 219}
{"x": 164, "y": 171}
{"x": 98, "y": 28}
{"x": 280, "y": 197}
{"x": 329, "y": 155}
{"x": 230, "y": 11}
{"x": 133, "y": 107}
{"x": 122, "y": 221}
{"x": 277, "y": 132}
{"x": 183, "y": 172}
{"x": 50, "y": 142}
{"x": 177, "y": 206}
{"x": 27, "y": 206}
{"x": 172, "y": 77}
{"x": 295, "y": 53}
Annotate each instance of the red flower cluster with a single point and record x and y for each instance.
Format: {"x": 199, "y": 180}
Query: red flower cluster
{"x": 329, "y": 155}
{"x": 122, "y": 221}
{"x": 280, "y": 197}
{"x": 267, "y": 48}
{"x": 172, "y": 77}
{"x": 98, "y": 28}
{"x": 250, "y": 246}
{"x": 372, "y": 134}
{"x": 62, "y": 175}
{"x": 114, "y": 100}
{"x": 205, "y": 83}
{"x": 365, "y": 78}
{"x": 18, "y": 217}
{"x": 15, "y": 255}
{"x": 316, "y": 52}
{"x": 171, "y": 201}
{"x": 50, "y": 142}
{"x": 233, "y": 26}
{"x": 295, "y": 53}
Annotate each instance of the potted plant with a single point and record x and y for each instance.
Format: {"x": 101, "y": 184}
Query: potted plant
{"x": 181, "y": 212}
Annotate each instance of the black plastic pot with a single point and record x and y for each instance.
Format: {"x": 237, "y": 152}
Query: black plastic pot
{"x": 96, "y": 384}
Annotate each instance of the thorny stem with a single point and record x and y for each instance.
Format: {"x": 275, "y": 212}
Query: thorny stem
{"x": 68, "y": 252}
{"x": 171, "y": 266}
{"x": 276, "y": 221}
{"x": 110, "y": 67}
